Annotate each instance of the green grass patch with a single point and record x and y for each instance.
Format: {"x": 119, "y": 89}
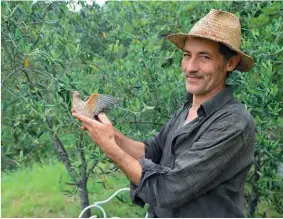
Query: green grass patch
{"x": 41, "y": 191}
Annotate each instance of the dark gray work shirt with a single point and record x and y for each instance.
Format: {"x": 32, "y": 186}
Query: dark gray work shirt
{"x": 199, "y": 169}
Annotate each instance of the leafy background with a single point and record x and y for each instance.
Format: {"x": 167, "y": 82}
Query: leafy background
{"x": 120, "y": 48}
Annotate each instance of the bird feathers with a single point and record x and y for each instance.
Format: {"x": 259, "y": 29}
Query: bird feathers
{"x": 104, "y": 101}
{"x": 93, "y": 105}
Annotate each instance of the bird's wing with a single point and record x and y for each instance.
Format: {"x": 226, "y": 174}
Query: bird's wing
{"x": 92, "y": 102}
{"x": 80, "y": 106}
{"x": 104, "y": 101}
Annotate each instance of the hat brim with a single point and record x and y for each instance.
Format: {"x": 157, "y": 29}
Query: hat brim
{"x": 246, "y": 62}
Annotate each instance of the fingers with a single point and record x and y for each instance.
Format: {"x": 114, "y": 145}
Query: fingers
{"x": 103, "y": 118}
{"x": 83, "y": 118}
{"x": 83, "y": 128}
{"x": 89, "y": 124}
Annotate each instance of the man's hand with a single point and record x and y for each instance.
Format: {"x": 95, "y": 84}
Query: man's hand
{"x": 102, "y": 133}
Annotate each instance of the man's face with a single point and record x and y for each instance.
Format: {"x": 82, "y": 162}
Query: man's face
{"x": 203, "y": 66}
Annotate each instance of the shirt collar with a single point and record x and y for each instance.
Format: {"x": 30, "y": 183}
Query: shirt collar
{"x": 217, "y": 101}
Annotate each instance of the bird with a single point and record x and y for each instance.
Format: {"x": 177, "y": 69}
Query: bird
{"x": 92, "y": 105}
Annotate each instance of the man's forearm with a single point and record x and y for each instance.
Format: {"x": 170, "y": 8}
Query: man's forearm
{"x": 128, "y": 164}
{"x": 134, "y": 148}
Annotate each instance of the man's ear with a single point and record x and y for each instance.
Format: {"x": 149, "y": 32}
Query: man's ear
{"x": 232, "y": 63}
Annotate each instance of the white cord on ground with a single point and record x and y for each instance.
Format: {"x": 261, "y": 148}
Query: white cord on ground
{"x": 112, "y": 196}
{"x": 96, "y": 204}
{"x": 93, "y": 206}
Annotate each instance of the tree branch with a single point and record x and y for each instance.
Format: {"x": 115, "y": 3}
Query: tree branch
{"x": 61, "y": 151}
{"x": 90, "y": 170}
{"x": 83, "y": 160}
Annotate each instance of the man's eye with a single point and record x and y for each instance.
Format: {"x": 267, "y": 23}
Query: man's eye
{"x": 186, "y": 55}
{"x": 205, "y": 57}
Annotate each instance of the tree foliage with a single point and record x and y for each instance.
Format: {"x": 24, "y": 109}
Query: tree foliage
{"x": 121, "y": 49}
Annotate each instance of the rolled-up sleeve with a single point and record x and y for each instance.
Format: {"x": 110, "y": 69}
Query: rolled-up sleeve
{"x": 197, "y": 170}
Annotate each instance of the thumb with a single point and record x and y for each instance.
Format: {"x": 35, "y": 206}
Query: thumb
{"x": 103, "y": 118}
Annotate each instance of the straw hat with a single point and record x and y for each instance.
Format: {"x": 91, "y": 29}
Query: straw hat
{"x": 219, "y": 26}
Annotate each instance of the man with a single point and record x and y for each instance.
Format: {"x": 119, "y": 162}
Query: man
{"x": 197, "y": 165}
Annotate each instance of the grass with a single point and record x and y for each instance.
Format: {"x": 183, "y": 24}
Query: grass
{"x": 41, "y": 192}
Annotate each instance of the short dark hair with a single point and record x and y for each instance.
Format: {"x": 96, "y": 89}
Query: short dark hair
{"x": 226, "y": 52}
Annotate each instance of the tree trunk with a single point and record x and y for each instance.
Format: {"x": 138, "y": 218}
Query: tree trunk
{"x": 84, "y": 178}
{"x": 82, "y": 189}
{"x": 63, "y": 155}
{"x": 82, "y": 183}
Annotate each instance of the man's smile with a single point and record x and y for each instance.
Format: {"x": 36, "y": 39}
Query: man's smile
{"x": 193, "y": 78}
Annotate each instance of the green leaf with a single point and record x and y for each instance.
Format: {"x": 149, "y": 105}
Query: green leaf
{"x": 4, "y": 106}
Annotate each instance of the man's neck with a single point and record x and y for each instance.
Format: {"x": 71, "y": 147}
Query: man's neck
{"x": 199, "y": 99}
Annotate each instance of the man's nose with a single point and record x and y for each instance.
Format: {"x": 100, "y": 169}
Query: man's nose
{"x": 191, "y": 66}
